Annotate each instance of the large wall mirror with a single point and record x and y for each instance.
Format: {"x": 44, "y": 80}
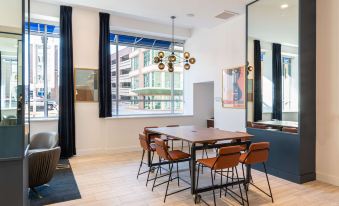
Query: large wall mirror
{"x": 11, "y": 64}
{"x": 273, "y": 65}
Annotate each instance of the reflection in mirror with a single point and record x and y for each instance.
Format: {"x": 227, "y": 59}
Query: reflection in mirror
{"x": 273, "y": 65}
{"x": 86, "y": 81}
{"x": 10, "y": 64}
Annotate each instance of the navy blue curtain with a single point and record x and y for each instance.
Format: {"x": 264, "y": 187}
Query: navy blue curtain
{"x": 105, "y": 88}
{"x": 66, "y": 88}
{"x": 277, "y": 82}
{"x": 257, "y": 82}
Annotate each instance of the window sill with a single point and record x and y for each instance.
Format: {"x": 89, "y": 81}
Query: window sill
{"x": 43, "y": 119}
{"x": 149, "y": 116}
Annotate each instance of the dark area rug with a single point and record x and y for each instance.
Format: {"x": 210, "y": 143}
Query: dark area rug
{"x": 62, "y": 187}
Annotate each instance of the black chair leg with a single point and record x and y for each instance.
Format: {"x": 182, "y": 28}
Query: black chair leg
{"x": 228, "y": 170}
{"x": 178, "y": 173}
{"x": 232, "y": 175}
{"x": 213, "y": 188}
{"x": 242, "y": 198}
{"x": 156, "y": 176}
{"x": 150, "y": 169}
{"x": 197, "y": 185}
{"x": 268, "y": 182}
{"x": 169, "y": 179}
{"x": 245, "y": 184}
{"x": 142, "y": 159}
{"x": 220, "y": 182}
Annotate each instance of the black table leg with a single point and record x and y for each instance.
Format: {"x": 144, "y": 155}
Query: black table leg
{"x": 193, "y": 158}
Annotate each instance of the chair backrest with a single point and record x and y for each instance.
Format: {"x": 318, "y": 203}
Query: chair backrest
{"x": 259, "y": 126}
{"x": 228, "y": 157}
{"x": 258, "y": 153}
{"x": 148, "y": 127}
{"x": 172, "y": 125}
{"x": 151, "y": 136}
{"x": 44, "y": 140}
{"x": 143, "y": 142}
{"x": 290, "y": 129}
{"x": 161, "y": 149}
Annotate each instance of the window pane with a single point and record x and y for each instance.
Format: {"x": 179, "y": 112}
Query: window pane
{"x": 142, "y": 87}
{"x": 9, "y": 79}
{"x": 37, "y": 88}
{"x": 53, "y": 76}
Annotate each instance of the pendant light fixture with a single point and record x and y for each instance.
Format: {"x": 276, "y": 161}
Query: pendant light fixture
{"x": 162, "y": 60}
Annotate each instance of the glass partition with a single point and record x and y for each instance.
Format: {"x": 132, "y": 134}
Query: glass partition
{"x": 273, "y": 65}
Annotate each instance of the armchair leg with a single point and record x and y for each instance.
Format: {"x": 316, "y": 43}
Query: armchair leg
{"x": 36, "y": 193}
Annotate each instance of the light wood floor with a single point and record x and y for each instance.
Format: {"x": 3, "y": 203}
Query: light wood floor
{"x": 106, "y": 180}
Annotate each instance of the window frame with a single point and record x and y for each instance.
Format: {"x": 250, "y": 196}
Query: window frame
{"x": 45, "y": 36}
{"x": 115, "y": 44}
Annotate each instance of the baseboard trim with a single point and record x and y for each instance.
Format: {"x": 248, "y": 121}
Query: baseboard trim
{"x": 112, "y": 150}
{"x": 330, "y": 179}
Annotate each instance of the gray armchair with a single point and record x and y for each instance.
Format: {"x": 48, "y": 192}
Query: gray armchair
{"x": 43, "y": 158}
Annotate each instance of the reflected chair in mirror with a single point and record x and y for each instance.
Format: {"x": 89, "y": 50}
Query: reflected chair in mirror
{"x": 43, "y": 157}
{"x": 170, "y": 158}
{"x": 290, "y": 130}
{"x": 227, "y": 159}
{"x": 258, "y": 153}
{"x": 260, "y": 126}
{"x": 146, "y": 147}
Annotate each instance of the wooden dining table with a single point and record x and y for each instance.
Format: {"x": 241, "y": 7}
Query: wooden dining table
{"x": 199, "y": 137}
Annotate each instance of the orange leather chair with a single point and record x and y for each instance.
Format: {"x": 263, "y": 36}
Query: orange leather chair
{"x": 290, "y": 129}
{"x": 258, "y": 153}
{"x": 170, "y": 157}
{"x": 228, "y": 158}
{"x": 146, "y": 147}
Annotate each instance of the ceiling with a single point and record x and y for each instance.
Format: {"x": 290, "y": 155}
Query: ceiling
{"x": 280, "y": 27}
{"x": 160, "y": 11}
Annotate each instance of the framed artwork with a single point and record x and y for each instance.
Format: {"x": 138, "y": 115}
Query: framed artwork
{"x": 233, "y": 87}
{"x": 86, "y": 84}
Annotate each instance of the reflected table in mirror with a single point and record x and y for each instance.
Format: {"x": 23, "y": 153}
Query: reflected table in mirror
{"x": 279, "y": 123}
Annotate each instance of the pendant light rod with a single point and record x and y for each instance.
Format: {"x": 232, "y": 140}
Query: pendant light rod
{"x": 173, "y": 18}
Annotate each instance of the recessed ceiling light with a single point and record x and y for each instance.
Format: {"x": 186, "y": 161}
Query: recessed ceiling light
{"x": 190, "y": 15}
{"x": 284, "y": 6}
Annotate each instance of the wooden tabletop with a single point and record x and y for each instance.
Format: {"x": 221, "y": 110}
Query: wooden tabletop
{"x": 196, "y": 134}
{"x": 279, "y": 123}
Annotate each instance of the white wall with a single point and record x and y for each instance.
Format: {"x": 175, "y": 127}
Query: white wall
{"x": 327, "y": 91}
{"x": 215, "y": 49}
{"x": 92, "y": 133}
{"x": 10, "y": 16}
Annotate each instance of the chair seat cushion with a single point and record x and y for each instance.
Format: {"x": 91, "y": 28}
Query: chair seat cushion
{"x": 178, "y": 155}
{"x": 208, "y": 162}
{"x": 31, "y": 151}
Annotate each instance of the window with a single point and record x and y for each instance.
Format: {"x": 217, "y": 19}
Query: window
{"x": 289, "y": 84}
{"x": 135, "y": 63}
{"x": 44, "y": 70}
{"x": 147, "y": 58}
{"x": 142, "y": 87}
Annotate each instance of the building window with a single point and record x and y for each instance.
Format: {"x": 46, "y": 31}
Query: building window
{"x": 135, "y": 63}
{"x": 147, "y": 58}
{"x": 148, "y": 91}
{"x": 44, "y": 70}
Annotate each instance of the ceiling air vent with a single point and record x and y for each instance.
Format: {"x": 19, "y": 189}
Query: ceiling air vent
{"x": 226, "y": 15}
